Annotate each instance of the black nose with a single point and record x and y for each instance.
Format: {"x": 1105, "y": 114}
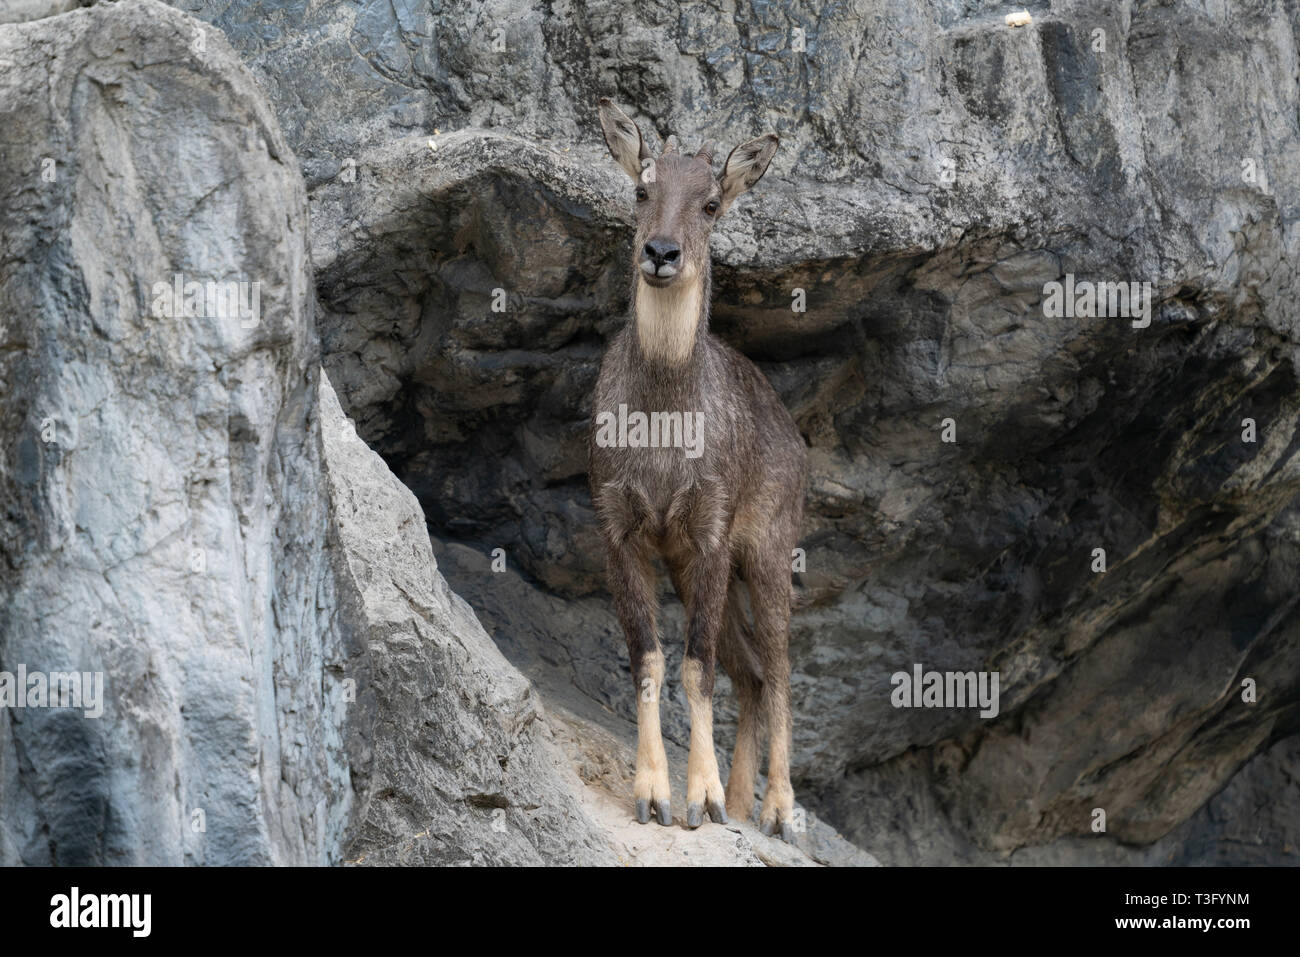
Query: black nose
{"x": 662, "y": 252}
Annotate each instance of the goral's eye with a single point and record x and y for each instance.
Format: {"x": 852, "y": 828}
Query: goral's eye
{"x": 711, "y": 207}
{"x": 641, "y": 194}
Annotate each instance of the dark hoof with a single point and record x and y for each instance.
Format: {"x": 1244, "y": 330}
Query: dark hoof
{"x": 642, "y": 811}
{"x": 769, "y": 828}
{"x": 665, "y": 813}
{"x": 716, "y": 810}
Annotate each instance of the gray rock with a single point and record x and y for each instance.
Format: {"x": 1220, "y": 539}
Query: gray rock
{"x": 936, "y": 169}
{"x": 163, "y": 517}
{"x": 450, "y": 746}
{"x": 188, "y": 513}
{"x": 602, "y": 749}
{"x": 286, "y": 677}
{"x": 21, "y": 11}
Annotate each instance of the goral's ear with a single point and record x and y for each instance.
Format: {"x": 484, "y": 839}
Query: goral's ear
{"x": 746, "y": 166}
{"x": 622, "y": 137}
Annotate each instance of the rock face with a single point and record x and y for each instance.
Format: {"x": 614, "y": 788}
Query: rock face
{"x": 937, "y": 169}
{"x": 276, "y": 672}
{"x": 163, "y": 515}
{"x": 449, "y": 744}
{"x": 285, "y": 677}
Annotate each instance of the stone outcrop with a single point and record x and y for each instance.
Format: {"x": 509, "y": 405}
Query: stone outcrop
{"x": 163, "y": 518}
{"x": 937, "y": 169}
{"x": 279, "y": 668}
{"x": 276, "y": 671}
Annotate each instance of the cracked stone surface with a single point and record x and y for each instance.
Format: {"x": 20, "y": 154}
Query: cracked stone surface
{"x": 186, "y": 510}
{"x": 936, "y": 170}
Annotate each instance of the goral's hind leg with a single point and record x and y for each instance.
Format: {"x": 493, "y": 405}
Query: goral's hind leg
{"x": 702, "y": 585}
{"x": 770, "y": 594}
{"x": 735, "y": 652}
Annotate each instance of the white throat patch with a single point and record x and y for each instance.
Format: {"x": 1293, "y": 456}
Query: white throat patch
{"x": 666, "y": 319}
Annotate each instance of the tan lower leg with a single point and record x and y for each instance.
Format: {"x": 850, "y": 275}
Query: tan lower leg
{"x": 703, "y": 785}
{"x": 778, "y": 799}
{"x": 744, "y": 764}
{"x": 651, "y": 784}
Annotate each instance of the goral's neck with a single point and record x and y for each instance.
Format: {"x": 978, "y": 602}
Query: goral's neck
{"x": 670, "y": 321}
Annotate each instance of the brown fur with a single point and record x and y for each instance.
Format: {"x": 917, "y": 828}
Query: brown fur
{"x": 731, "y": 515}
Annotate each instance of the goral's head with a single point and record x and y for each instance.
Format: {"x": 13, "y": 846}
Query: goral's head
{"x": 678, "y": 197}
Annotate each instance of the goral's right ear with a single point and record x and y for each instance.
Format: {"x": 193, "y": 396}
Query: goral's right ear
{"x": 623, "y": 138}
{"x": 746, "y": 166}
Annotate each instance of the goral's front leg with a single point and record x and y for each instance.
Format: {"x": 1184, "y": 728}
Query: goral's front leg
{"x": 636, "y": 604}
{"x": 704, "y": 791}
{"x": 651, "y": 789}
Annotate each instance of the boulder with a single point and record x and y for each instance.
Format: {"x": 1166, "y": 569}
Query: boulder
{"x": 276, "y": 671}
{"x": 938, "y": 170}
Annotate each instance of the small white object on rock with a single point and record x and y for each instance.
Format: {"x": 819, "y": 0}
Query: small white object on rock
{"x": 1020, "y": 19}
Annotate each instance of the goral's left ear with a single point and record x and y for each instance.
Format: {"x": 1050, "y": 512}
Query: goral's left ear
{"x": 746, "y": 166}
{"x": 622, "y": 137}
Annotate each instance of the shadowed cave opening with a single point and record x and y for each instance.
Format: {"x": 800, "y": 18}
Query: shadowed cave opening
{"x": 966, "y": 555}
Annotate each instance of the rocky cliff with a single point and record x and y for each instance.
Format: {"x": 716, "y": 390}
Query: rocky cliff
{"x": 937, "y": 169}
{"x": 269, "y": 667}
{"x": 972, "y": 448}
